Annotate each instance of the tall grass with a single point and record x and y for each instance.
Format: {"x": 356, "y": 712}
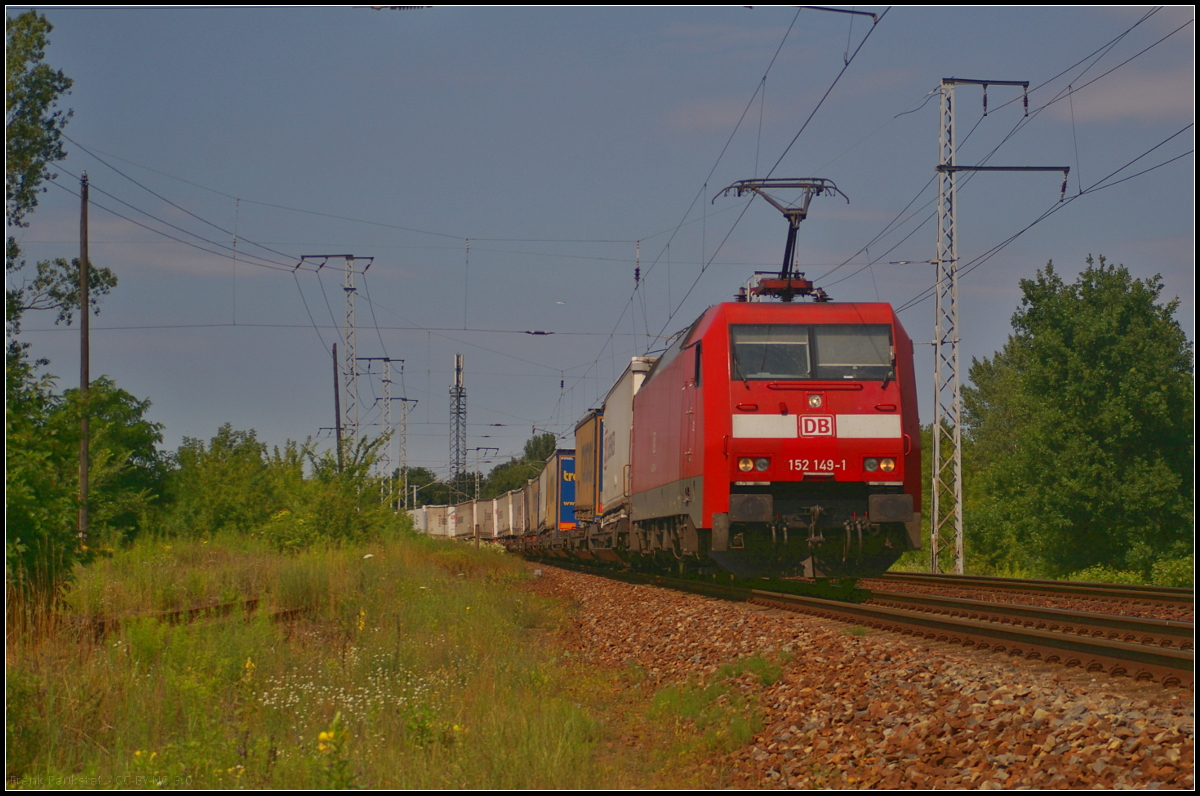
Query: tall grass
{"x": 413, "y": 664}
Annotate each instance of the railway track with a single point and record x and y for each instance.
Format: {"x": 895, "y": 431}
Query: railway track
{"x": 1143, "y": 649}
{"x": 1059, "y": 643}
{"x": 1133, "y": 630}
{"x": 1109, "y": 591}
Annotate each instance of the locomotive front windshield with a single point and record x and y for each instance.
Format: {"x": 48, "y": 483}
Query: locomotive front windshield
{"x": 826, "y": 351}
{"x": 771, "y": 351}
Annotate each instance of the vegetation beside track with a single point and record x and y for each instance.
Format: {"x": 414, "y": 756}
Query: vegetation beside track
{"x": 411, "y": 663}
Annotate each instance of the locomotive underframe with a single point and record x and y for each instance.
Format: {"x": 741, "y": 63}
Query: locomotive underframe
{"x": 805, "y": 529}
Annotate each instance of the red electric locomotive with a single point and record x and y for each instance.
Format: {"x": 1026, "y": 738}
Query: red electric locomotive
{"x": 770, "y": 438}
{"x": 780, "y": 438}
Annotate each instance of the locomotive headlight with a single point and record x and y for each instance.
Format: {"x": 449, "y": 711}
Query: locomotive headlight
{"x": 745, "y": 465}
{"x": 887, "y": 465}
{"x": 871, "y": 465}
{"x": 814, "y": 402}
{"x": 762, "y": 464}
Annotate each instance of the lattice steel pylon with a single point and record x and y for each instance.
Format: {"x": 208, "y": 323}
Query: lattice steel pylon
{"x": 946, "y": 521}
{"x": 402, "y": 443}
{"x": 349, "y": 419}
{"x": 350, "y": 367}
{"x": 401, "y": 439}
{"x": 388, "y": 480}
{"x": 458, "y": 425}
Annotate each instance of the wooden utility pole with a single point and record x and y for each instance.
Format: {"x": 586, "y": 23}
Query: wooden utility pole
{"x": 84, "y": 355}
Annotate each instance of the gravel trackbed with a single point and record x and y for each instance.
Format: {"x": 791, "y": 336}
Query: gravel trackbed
{"x": 857, "y": 709}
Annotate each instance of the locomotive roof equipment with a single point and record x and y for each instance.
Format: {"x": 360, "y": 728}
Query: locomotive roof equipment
{"x": 790, "y": 282}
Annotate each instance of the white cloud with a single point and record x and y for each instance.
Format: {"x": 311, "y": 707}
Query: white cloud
{"x": 1133, "y": 94}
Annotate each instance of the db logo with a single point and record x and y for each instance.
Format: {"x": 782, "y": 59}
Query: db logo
{"x": 816, "y": 426}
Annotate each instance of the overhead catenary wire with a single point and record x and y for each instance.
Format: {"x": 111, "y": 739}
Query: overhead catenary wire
{"x": 702, "y": 192}
{"x": 373, "y": 222}
{"x": 231, "y": 249}
{"x": 374, "y": 321}
{"x": 109, "y": 210}
{"x": 1093, "y": 56}
{"x": 309, "y": 311}
{"x": 787, "y": 149}
{"x": 332, "y": 318}
{"x": 243, "y": 324}
{"x": 704, "y": 186}
{"x": 1099, "y": 185}
{"x": 179, "y": 207}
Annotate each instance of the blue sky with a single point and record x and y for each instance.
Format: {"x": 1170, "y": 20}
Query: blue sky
{"x": 508, "y": 169}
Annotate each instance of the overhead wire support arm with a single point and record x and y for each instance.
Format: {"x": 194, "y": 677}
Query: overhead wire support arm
{"x": 873, "y": 16}
{"x": 325, "y": 258}
{"x": 1024, "y": 84}
{"x": 1066, "y": 171}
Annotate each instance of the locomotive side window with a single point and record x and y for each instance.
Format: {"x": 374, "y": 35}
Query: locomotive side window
{"x": 679, "y": 340}
{"x": 853, "y": 352}
{"x": 770, "y": 351}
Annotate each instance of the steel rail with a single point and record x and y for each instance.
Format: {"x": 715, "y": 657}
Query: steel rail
{"x": 1131, "y": 629}
{"x": 1110, "y": 590}
{"x": 1167, "y": 665}
{"x": 1139, "y": 661}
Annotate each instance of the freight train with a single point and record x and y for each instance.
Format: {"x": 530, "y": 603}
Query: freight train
{"x": 768, "y": 439}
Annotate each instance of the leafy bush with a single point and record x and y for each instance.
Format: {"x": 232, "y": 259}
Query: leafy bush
{"x": 1103, "y": 574}
{"x": 1179, "y": 572}
{"x": 222, "y": 486}
{"x": 231, "y": 485}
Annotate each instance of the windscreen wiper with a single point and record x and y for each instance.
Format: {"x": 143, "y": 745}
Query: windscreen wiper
{"x": 737, "y": 367}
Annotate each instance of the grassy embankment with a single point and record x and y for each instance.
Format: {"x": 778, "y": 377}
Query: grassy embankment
{"x": 414, "y": 664}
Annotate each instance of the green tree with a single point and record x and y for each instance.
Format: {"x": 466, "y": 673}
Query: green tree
{"x": 508, "y": 476}
{"x": 55, "y": 287}
{"x": 42, "y": 475}
{"x": 539, "y": 448}
{"x": 231, "y": 486}
{"x": 347, "y": 504}
{"x": 514, "y": 473}
{"x": 39, "y": 508}
{"x": 125, "y": 470}
{"x": 504, "y": 477}
{"x": 223, "y": 486}
{"x": 430, "y": 490}
{"x": 1080, "y": 439}
{"x": 33, "y": 123}
{"x": 33, "y": 127}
